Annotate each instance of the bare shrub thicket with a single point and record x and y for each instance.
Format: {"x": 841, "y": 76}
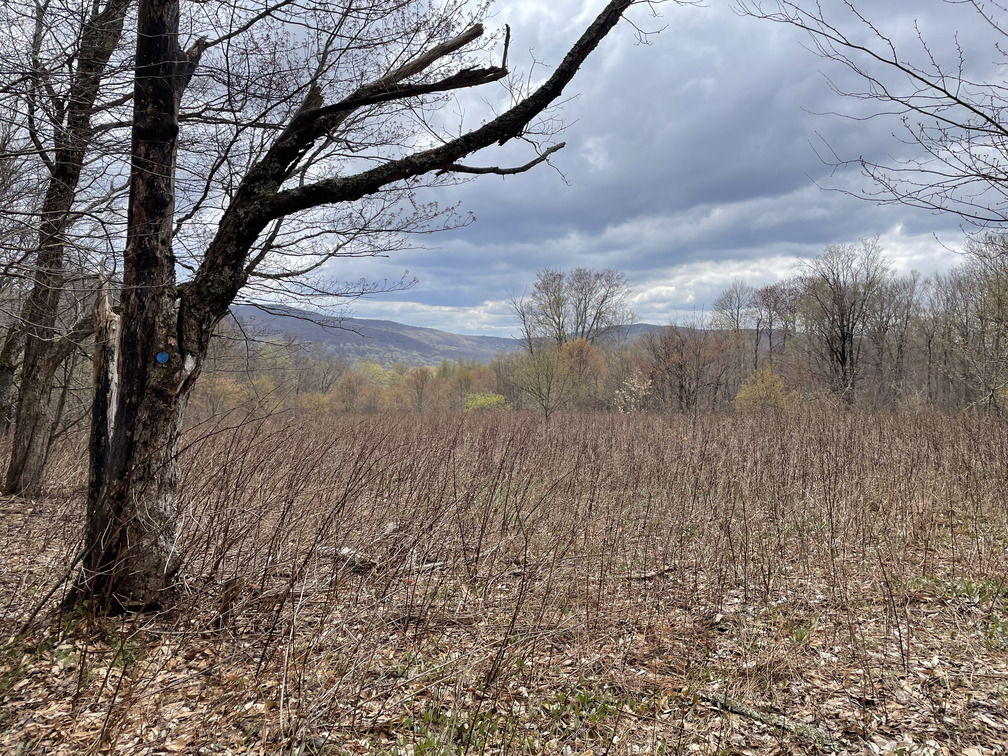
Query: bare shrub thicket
{"x": 488, "y": 584}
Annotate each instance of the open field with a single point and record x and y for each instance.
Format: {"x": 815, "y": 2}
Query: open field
{"x": 809, "y": 583}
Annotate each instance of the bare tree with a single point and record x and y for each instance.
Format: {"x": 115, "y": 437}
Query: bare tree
{"x": 764, "y": 302}
{"x": 840, "y": 286}
{"x": 686, "y": 365}
{"x": 584, "y": 304}
{"x": 777, "y": 306}
{"x": 319, "y": 373}
{"x": 599, "y": 303}
{"x": 57, "y": 83}
{"x": 734, "y": 312}
{"x": 418, "y": 387}
{"x": 546, "y": 377}
{"x": 732, "y": 309}
{"x": 972, "y": 339}
{"x": 954, "y": 127}
{"x": 130, "y": 545}
{"x": 891, "y": 313}
{"x": 545, "y": 316}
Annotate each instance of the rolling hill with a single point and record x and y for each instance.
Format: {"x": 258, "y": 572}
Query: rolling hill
{"x": 383, "y": 341}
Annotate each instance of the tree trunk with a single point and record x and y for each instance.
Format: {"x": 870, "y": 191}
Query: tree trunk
{"x": 35, "y": 417}
{"x": 130, "y": 536}
{"x": 32, "y": 418}
{"x": 132, "y": 515}
{"x": 31, "y": 431}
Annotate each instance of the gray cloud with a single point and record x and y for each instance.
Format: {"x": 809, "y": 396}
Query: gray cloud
{"x": 689, "y": 161}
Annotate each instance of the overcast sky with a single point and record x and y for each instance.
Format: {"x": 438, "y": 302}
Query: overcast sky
{"x": 689, "y": 161}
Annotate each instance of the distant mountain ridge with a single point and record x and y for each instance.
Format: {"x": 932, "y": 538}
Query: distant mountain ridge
{"x": 381, "y": 341}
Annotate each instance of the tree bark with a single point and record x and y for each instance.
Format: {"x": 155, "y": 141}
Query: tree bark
{"x": 9, "y": 354}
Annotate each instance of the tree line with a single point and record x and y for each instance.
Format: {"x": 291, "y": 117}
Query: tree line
{"x": 848, "y": 328}
{"x": 844, "y": 329}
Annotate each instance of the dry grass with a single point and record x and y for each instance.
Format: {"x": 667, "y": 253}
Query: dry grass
{"x": 462, "y": 584}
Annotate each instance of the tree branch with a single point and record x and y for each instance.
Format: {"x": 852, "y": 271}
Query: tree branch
{"x": 458, "y": 168}
{"x": 501, "y": 129}
{"x": 375, "y": 94}
{"x": 82, "y": 330}
{"x": 957, "y": 125}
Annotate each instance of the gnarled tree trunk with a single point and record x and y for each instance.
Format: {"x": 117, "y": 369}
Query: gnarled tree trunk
{"x": 130, "y": 535}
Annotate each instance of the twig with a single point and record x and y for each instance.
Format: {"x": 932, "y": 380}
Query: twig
{"x": 808, "y": 732}
{"x": 649, "y": 575}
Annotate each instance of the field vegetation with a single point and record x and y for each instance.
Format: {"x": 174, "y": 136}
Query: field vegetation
{"x": 796, "y": 580}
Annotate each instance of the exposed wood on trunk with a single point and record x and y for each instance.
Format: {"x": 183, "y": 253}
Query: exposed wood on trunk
{"x": 106, "y": 376}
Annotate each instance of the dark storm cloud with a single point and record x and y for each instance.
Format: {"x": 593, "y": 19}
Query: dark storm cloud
{"x": 689, "y": 161}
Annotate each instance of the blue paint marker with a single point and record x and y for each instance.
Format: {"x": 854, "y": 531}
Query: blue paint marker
{"x": 162, "y": 357}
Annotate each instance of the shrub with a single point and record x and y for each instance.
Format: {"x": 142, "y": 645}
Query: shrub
{"x": 633, "y": 395}
{"x": 764, "y": 391}
{"x": 485, "y": 402}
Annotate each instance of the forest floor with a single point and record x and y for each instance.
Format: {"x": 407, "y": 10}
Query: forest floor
{"x": 619, "y": 589}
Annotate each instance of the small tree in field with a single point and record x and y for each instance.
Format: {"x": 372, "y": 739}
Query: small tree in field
{"x": 545, "y": 376}
{"x": 589, "y": 373}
